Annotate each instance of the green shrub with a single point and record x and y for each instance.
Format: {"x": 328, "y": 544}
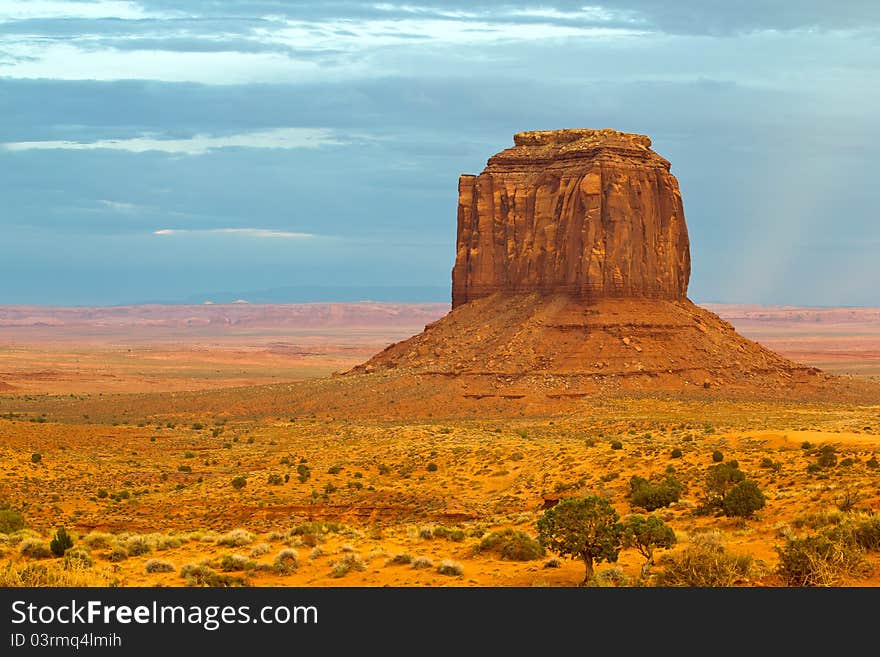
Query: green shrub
{"x": 616, "y": 444}
{"x": 36, "y": 457}
{"x": 184, "y": 468}
{"x": 117, "y": 554}
{"x": 450, "y": 534}
{"x": 10, "y": 521}
{"x": 872, "y": 462}
{"x": 349, "y": 562}
{"x": 401, "y": 559}
{"x": 274, "y": 480}
{"x": 304, "y": 472}
{"x": 827, "y": 456}
{"x": 34, "y": 548}
{"x": 676, "y": 453}
{"x": 651, "y": 495}
{"x": 421, "y": 562}
{"x": 704, "y": 563}
{"x": 822, "y": 559}
{"x": 867, "y": 533}
{"x": 806, "y": 445}
{"x": 717, "y": 456}
{"x": 432, "y": 467}
{"x": 720, "y": 479}
{"x": 61, "y": 542}
{"x": 201, "y": 575}
{"x": 743, "y": 500}
{"x": 451, "y": 568}
{"x": 512, "y": 545}
{"x": 238, "y": 482}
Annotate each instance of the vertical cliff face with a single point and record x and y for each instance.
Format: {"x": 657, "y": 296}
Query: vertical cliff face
{"x": 588, "y": 213}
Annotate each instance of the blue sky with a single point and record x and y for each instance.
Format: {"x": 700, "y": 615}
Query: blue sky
{"x": 300, "y": 151}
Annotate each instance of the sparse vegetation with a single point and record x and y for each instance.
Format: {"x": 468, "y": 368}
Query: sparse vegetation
{"x": 704, "y": 563}
{"x": 512, "y": 544}
{"x": 652, "y": 495}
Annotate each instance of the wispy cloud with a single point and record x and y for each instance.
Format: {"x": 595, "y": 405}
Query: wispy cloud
{"x": 247, "y": 232}
{"x": 18, "y": 10}
{"x": 118, "y": 206}
{"x": 284, "y": 138}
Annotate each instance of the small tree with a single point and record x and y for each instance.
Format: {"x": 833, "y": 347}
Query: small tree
{"x": 743, "y": 500}
{"x": 646, "y": 535}
{"x": 61, "y": 543}
{"x": 720, "y": 479}
{"x": 582, "y": 527}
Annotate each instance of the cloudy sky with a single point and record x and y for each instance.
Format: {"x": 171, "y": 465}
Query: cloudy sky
{"x": 279, "y": 150}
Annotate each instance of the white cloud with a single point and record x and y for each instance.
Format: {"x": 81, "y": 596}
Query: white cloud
{"x": 17, "y": 10}
{"x": 285, "y": 138}
{"x": 247, "y": 232}
{"x": 118, "y": 206}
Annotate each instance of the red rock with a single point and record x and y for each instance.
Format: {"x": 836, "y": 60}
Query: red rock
{"x": 590, "y": 213}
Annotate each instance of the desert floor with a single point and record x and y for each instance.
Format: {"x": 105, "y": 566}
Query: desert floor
{"x": 329, "y": 500}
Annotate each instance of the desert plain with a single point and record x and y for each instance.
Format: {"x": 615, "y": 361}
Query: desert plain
{"x": 195, "y": 445}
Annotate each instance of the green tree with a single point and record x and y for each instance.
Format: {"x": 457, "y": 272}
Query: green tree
{"x": 743, "y": 500}
{"x": 584, "y": 528}
{"x": 720, "y": 479}
{"x": 61, "y": 543}
{"x": 646, "y": 535}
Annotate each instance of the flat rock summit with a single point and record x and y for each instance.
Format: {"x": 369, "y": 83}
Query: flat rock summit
{"x": 570, "y": 279}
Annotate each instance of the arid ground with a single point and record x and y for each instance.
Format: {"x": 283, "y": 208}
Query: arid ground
{"x": 183, "y": 446}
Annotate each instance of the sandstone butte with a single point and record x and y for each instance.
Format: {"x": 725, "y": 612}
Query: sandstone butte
{"x": 570, "y": 280}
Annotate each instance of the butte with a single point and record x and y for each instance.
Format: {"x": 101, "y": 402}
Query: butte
{"x": 570, "y": 281}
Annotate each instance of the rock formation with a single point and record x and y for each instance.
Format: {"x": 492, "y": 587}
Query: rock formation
{"x": 570, "y": 279}
{"x": 589, "y": 213}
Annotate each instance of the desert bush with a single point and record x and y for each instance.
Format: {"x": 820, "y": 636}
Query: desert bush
{"x": 136, "y": 545}
{"x": 512, "y": 544}
{"x": 10, "y": 521}
{"x": 158, "y": 566}
{"x": 426, "y": 532}
{"x": 552, "y": 562}
{"x": 234, "y": 562}
{"x": 98, "y": 540}
{"x": 717, "y": 456}
{"x": 50, "y": 575}
{"x": 61, "y": 542}
{"x": 236, "y": 538}
{"x": 36, "y": 457}
{"x": 304, "y": 472}
{"x": 866, "y": 532}
{"x": 616, "y": 444}
{"x": 348, "y": 562}
{"x": 201, "y": 575}
{"x": 675, "y": 453}
{"x": 449, "y": 533}
{"x": 704, "y": 563}
{"x": 34, "y": 548}
{"x": 822, "y": 559}
{"x": 117, "y": 554}
{"x": 421, "y": 562}
{"x": 260, "y": 549}
{"x": 275, "y": 480}
{"x": 827, "y": 457}
{"x": 652, "y": 495}
{"x": 78, "y": 556}
{"x": 450, "y": 567}
{"x": 610, "y": 577}
{"x": 400, "y": 559}
{"x": 286, "y": 561}
{"x": 238, "y": 482}
{"x": 743, "y": 500}
{"x": 872, "y": 462}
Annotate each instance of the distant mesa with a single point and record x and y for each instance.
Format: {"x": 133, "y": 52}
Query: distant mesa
{"x": 571, "y": 273}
